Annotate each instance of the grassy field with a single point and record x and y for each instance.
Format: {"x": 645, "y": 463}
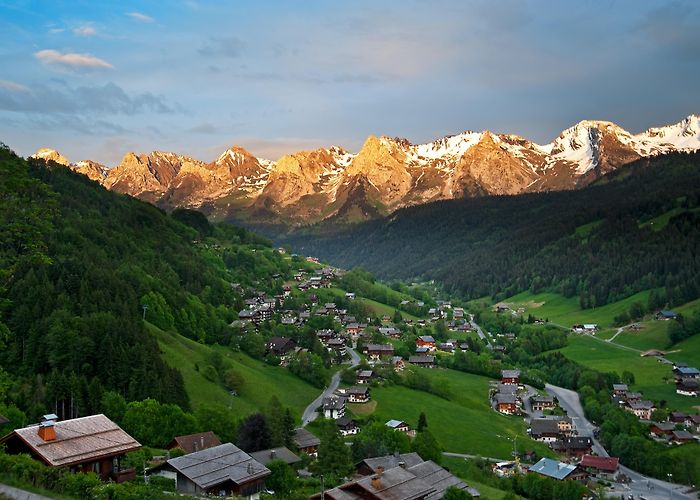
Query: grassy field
{"x": 261, "y": 381}
{"x": 661, "y": 221}
{"x": 379, "y": 308}
{"x": 464, "y": 424}
{"x": 653, "y": 379}
{"x": 458, "y": 467}
{"x": 566, "y": 311}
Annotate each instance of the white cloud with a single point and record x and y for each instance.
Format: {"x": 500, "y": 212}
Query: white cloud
{"x": 143, "y": 18}
{"x": 85, "y": 30}
{"x": 12, "y": 86}
{"x": 71, "y": 59}
{"x": 56, "y": 30}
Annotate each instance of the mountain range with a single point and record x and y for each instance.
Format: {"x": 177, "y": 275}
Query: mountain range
{"x": 385, "y": 175}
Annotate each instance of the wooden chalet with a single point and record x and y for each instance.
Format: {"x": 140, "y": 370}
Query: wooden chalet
{"x": 306, "y": 442}
{"x": 195, "y": 442}
{"x": 280, "y": 346}
{"x": 425, "y": 360}
{"x": 600, "y": 467}
{"x": 540, "y": 403}
{"x": 573, "y": 446}
{"x": 376, "y": 351}
{"x": 398, "y": 425}
{"x": 426, "y": 341}
{"x": 347, "y": 426}
{"x": 364, "y": 376}
{"x": 223, "y": 470}
{"x": 357, "y": 394}
{"x": 86, "y": 444}
{"x": 557, "y": 470}
{"x": 506, "y": 403}
{"x": 281, "y": 453}
{"x": 510, "y": 377}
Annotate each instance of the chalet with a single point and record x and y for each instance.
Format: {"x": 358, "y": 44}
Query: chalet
{"x": 693, "y": 422}
{"x": 502, "y": 307}
{"x": 686, "y": 372}
{"x": 350, "y": 295}
{"x": 661, "y": 429}
{"x": 223, "y": 470}
{"x": 510, "y": 377}
{"x": 506, "y": 389}
{"x": 369, "y": 466}
{"x": 347, "y": 427}
{"x": 306, "y": 442}
{"x": 286, "y": 290}
{"x": 641, "y": 409}
{"x": 376, "y": 351}
{"x": 398, "y": 425}
{"x": 264, "y": 313}
{"x": 364, "y": 376}
{"x": 422, "y": 350}
{"x": 585, "y": 328}
{"x": 334, "y": 407}
{"x": 280, "y": 346}
{"x": 652, "y": 353}
{"x": 390, "y": 332}
{"x": 549, "y": 429}
{"x": 677, "y": 417}
{"x": 681, "y": 437}
{"x": 86, "y": 444}
{"x": 426, "y": 361}
{"x": 446, "y": 347}
{"x": 358, "y": 394}
{"x": 666, "y": 315}
{"x": 337, "y": 345}
{"x": 282, "y": 453}
{"x": 330, "y": 306}
{"x": 458, "y": 313}
{"x": 557, "y": 470}
{"x": 506, "y": 403}
{"x": 573, "y": 446}
{"x": 540, "y": 403}
{"x": 355, "y": 328}
{"x": 247, "y": 315}
{"x": 600, "y": 467}
{"x": 620, "y": 389}
{"x": 324, "y": 335}
{"x": 425, "y": 480}
{"x": 426, "y": 341}
{"x": 506, "y": 469}
{"x": 398, "y": 363}
{"x": 194, "y": 442}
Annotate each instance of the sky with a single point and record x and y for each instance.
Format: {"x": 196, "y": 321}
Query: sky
{"x": 96, "y": 79}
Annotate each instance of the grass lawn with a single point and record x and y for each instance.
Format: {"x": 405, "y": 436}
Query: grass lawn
{"x": 653, "y": 335}
{"x": 566, "y": 311}
{"x": 378, "y": 308}
{"x": 458, "y": 467}
{"x": 464, "y": 424}
{"x": 649, "y": 374}
{"x": 687, "y": 351}
{"x": 261, "y": 381}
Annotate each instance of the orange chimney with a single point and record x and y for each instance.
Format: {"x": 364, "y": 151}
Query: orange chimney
{"x": 47, "y": 432}
{"x": 376, "y": 482}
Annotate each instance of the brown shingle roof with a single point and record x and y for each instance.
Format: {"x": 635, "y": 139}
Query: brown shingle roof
{"x": 77, "y": 441}
{"x": 195, "y": 442}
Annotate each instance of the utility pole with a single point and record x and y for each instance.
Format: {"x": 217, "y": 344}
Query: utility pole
{"x": 145, "y": 308}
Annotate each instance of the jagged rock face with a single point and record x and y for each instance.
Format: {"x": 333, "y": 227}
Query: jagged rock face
{"x": 386, "y": 174}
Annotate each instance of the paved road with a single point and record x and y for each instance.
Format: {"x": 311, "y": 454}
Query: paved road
{"x": 310, "y": 413}
{"x": 17, "y": 494}
{"x": 480, "y": 332}
{"x": 641, "y": 485}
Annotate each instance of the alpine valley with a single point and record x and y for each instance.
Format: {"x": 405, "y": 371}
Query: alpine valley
{"x": 332, "y": 184}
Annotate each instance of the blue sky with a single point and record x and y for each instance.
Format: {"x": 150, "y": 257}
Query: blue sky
{"x": 95, "y": 79}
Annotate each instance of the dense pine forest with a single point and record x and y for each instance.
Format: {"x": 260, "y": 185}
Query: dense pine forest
{"x": 636, "y": 229}
{"x": 81, "y": 267}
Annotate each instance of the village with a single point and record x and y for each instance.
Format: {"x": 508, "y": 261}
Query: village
{"x": 364, "y": 352}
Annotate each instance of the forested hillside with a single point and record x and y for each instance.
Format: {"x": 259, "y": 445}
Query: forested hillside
{"x": 80, "y": 267}
{"x": 636, "y": 229}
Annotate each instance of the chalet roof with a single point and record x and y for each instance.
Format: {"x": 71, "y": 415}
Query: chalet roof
{"x": 282, "y": 453}
{"x": 333, "y": 403}
{"x": 195, "y": 442}
{"x": 391, "y": 461}
{"x": 510, "y": 373}
{"x": 77, "y": 440}
{"x": 358, "y": 390}
{"x": 539, "y": 426}
{"x": 395, "y": 423}
{"x": 553, "y": 468}
{"x": 395, "y": 484}
{"x": 421, "y": 359}
{"x": 439, "y": 479}
{"x": 422, "y": 349}
{"x": 573, "y": 443}
{"x": 304, "y": 439}
{"x": 380, "y": 347}
{"x": 641, "y": 405}
{"x": 217, "y": 465}
{"x": 682, "y": 435}
{"x": 687, "y": 371}
{"x": 426, "y": 338}
{"x": 664, "y": 426}
{"x": 607, "y": 464}
{"x": 364, "y": 373}
{"x": 541, "y": 399}
{"x": 345, "y": 422}
{"x": 505, "y": 398}
{"x": 620, "y": 387}
{"x": 507, "y": 388}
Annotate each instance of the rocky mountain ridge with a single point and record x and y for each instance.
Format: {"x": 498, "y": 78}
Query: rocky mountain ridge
{"x": 385, "y": 175}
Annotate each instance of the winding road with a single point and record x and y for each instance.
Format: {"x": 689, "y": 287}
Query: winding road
{"x": 310, "y": 413}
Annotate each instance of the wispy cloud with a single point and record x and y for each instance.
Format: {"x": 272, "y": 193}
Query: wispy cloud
{"x": 71, "y": 59}
{"x": 12, "y": 86}
{"x": 140, "y": 17}
{"x": 204, "y": 128}
{"x": 230, "y": 47}
{"x": 63, "y": 99}
{"x": 85, "y": 30}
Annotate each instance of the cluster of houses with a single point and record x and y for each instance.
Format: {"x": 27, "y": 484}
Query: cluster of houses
{"x": 632, "y": 402}
{"x": 505, "y": 397}
{"x": 687, "y": 379}
{"x": 678, "y": 429}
